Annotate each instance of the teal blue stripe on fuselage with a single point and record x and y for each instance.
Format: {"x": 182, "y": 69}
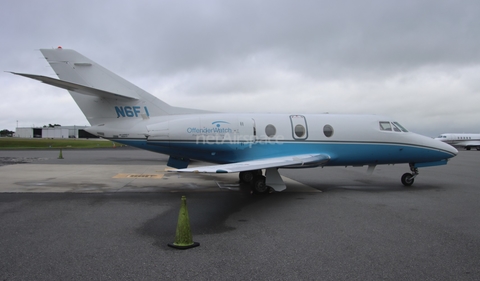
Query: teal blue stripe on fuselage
{"x": 341, "y": 153}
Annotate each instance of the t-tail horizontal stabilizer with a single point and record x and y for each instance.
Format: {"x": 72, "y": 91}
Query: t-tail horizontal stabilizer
{"x": 81, "y": 89}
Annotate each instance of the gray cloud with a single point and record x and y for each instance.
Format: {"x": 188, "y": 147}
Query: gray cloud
{"x": 414, "y": 60}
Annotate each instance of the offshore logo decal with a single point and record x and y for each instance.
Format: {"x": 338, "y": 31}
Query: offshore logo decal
{"x": 131, "y": 111}
{"x": 216, "y": 129}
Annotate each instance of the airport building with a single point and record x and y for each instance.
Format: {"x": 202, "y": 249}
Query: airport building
{"x": 56, "y": 132}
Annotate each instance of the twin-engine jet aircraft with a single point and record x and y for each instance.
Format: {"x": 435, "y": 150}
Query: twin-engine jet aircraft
{"x": 466, "y": 141}
{"x": 237, "y": 143}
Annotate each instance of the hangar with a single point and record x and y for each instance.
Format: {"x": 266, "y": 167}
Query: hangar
{"x": 54, "y": 132}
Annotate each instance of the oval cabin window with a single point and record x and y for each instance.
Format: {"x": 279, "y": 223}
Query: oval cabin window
{"x": 270, "y": 130}
{"x": 299, "y": 131}
{"x": 328, "y": 131}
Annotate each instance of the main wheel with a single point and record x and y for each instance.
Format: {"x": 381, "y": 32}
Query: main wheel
{"x": 258, "y": 184}
{"x": 407, "y": 179}
{"x": 247, "y": 176}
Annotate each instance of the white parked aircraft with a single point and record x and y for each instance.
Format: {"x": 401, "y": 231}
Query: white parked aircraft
{"x": 244, "y": 143}
{"x": 467, "y": 141}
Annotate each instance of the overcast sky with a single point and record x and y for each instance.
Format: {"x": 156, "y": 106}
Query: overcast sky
{"x": 416, "y": 61}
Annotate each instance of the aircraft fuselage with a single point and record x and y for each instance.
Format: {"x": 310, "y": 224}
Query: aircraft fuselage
{"x": 350, "y": 140}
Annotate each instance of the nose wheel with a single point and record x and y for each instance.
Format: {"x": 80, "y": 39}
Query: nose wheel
{"x": 409, "y": 178}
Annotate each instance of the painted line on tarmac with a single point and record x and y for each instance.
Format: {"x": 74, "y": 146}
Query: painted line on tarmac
{"x": 138, "y": 176}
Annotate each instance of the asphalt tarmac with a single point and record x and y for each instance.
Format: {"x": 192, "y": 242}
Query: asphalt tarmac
{"x": 109, "y": 215}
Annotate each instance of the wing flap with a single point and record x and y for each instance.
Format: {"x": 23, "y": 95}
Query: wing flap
{"x": 304, "y": 160}
{"x": 76, "y": 87}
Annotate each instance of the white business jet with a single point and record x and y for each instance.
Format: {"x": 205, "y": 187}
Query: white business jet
{"x": 236, "y": 143}
{"x": 466, "y": 141}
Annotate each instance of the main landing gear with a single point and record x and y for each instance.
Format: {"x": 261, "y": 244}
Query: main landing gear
{"x": 409, "y": 178}
{"x": 256, "y": 180}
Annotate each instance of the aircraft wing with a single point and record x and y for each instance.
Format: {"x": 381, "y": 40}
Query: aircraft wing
{"x": 297, "y": 161}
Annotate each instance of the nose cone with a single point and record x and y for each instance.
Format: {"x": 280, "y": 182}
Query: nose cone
{"x": 437, "y": 150}
{"x": 439, "y": 144}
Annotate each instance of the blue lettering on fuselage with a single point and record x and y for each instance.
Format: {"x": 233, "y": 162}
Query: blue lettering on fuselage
{"x": 213, "y": 130}
{"x": 130, "y": 111}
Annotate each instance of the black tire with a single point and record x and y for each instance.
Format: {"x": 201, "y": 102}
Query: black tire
{"x": 259, "y": 186}
{"x": 248, "y": 176}
{"x": 407, "y": 179}
{"x": 467, "y": 148}
{"x": 257, "y": 172}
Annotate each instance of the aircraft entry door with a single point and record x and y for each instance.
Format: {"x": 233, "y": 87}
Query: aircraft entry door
{"x": 247, "y": 130}
{"x": 299, "y": 127}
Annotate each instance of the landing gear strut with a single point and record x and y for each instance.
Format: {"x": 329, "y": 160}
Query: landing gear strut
{"x": 407, "y": 178}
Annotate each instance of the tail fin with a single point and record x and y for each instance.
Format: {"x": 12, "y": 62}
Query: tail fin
{"x": 101, "y": 95}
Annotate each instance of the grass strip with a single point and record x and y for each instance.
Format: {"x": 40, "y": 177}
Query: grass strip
{"x": 24, "y": 143}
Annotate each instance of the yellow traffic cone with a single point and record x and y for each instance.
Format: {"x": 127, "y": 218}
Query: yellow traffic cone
{"x": 183, "y": 237}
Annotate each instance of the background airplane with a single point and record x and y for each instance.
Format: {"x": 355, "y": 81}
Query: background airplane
{"x": 243, "y": 143}
{"x": 466, "y": 141}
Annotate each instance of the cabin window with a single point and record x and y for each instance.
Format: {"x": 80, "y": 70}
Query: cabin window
{"x": 270, "y": 130}
{"x": 299, "y": 131}
{"x": 328, "y": 131}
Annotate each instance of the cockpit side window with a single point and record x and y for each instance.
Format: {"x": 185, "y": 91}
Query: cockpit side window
{"x": 401, "y": 127}
{"x": 395, "y": 128}
{"x": 385, "y": 126}
{"x": 391, "y": 126}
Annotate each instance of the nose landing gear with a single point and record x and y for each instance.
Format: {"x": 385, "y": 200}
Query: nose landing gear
{"x": 409, "y": 178}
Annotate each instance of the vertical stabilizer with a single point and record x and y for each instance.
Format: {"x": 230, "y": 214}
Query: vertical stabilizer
{"x": 72, "y": 67}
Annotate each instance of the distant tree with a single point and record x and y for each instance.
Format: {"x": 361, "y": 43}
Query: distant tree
{"x": 6, "y": 133}
{"x": 52, "y": 126}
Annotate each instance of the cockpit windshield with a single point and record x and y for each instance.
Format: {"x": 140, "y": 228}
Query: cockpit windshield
{"x": 400, "y": 127}
{"x": 391, "y": 126}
